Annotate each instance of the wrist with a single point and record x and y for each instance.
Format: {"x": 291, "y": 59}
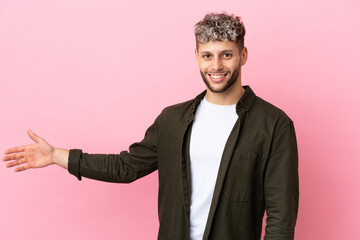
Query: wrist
{"x": 60, "y": 157}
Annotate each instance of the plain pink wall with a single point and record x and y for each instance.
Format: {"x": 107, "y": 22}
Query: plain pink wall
{"x": 95, "y": 74}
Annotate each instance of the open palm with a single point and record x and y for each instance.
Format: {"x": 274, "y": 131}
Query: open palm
{"x": 36, "y": 155}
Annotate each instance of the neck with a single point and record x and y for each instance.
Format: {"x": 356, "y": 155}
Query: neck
{"x": 229, "y": 97}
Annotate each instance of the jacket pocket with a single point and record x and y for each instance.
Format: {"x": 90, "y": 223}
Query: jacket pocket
{"x": 240, "y": 176}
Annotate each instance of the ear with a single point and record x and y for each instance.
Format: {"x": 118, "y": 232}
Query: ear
{"x": 196, "y": 55}
{"x": 244, "y": 55}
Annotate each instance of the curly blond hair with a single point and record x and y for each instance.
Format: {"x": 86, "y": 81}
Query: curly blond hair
{"x": 220, "y": 27}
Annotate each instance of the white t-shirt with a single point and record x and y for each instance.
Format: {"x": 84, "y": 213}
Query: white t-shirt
{"x": 210, "y": 131}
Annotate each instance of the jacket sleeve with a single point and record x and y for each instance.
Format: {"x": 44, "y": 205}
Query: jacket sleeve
{"x": 281, "y": 183}
{"x": 140, "y": 160}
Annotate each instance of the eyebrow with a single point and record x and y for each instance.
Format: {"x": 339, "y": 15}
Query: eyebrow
{"x": 224, "y": 51}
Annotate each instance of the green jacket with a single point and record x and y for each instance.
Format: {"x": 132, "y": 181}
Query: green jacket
{"x": 258, "y": 171}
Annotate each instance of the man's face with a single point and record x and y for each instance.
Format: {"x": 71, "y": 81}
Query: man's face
{"x": 220, "y": 64}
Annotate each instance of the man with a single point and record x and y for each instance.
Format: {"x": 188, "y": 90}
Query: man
{"x": 223, "y": 158}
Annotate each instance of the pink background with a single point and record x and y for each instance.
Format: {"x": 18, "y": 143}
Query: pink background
{"x": 95, "y": 74}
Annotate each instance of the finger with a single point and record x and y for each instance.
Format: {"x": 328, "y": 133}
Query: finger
{"x": 15, "y": 149}
{"x": 33, "y": 136}
{"x": 15, "y": 163}
{"x": 22, "y": 168}
{"x": 13, "y": 156}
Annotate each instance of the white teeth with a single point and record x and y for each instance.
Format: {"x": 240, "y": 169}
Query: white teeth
{"x": 217, "y": 76}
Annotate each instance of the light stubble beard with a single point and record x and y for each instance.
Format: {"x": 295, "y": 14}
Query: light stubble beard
{"x": 227, "y": 85}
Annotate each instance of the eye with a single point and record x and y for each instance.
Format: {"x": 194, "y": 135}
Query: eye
{"x": 206, "y": 56}
{"x": 227, "y": 55}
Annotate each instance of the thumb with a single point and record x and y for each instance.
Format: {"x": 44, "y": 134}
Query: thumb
{"x": 33, "y": 136}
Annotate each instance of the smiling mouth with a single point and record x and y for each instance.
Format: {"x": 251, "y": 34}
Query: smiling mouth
{"x": 217, "y": 77}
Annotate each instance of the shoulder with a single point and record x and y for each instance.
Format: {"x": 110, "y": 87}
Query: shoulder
{"x": 270, "y": 114}
{"x": 268, "y": 109}
{"x": 177, "y": 111}
{"x": 179, "y": 106}
{"x": 185, "y": 108}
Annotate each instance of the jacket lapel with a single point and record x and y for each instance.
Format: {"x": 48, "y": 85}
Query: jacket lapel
{"x": 185, "y": 160}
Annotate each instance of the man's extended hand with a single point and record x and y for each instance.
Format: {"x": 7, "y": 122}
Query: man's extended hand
{"x": 36, "y": 155}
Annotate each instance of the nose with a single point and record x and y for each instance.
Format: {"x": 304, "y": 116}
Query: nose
{"x": 217, "y": 64}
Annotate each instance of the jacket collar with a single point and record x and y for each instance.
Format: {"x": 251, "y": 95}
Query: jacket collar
{"x": 244, "y": 102}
